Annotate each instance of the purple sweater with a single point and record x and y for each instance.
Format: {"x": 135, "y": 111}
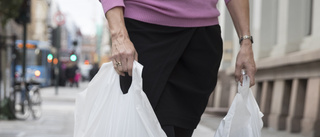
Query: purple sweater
{"x": 178, "y": 13}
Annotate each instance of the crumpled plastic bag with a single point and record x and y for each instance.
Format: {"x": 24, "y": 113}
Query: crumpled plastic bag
{"x": 102, "y": 110}
{"x": 244, "y": 118}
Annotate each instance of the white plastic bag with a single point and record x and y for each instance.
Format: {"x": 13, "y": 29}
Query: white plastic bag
{"x": 102, "y": 110}
{"x": 244, "y": 118}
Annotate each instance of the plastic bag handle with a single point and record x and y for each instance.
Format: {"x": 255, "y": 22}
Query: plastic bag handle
{"x": 136, "y": 75}
{"x": 245, "y": 83}
{"x": 245, "y": 80}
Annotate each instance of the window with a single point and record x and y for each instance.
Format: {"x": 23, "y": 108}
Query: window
{"x": 33, "y": 57}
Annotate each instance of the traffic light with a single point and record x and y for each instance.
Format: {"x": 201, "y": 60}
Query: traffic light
{"x": 73, "y": 57}
{"x": 24, "y": 13}
{"x": 86, "y": 62}
{"x": 49, "y": 58}
{"x": 75, "y": 43}
{"x": 55, "y": 61}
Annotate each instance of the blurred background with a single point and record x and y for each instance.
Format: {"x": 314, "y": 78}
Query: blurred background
{"x": 50, "y": 50}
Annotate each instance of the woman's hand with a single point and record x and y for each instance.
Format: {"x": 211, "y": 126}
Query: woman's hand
{"x": 123, "y": 54}
{"x": 123, "y": 51}
{"x": 245, "y": 61}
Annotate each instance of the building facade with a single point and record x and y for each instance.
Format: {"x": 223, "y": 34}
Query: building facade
{"x": 287, "y": 53}
{"x": 38, "y": 28}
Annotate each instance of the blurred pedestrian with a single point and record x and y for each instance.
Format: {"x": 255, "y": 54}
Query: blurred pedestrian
{"x": 71, "y": 73}
{"x": 94, "y": 70}
{"x": 62, "y": 74}
{"x": 179, "y": 44}
{"x": 77, "y": 77}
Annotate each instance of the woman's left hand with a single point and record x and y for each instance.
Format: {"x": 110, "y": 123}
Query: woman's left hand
{"x": 245, "y": 61}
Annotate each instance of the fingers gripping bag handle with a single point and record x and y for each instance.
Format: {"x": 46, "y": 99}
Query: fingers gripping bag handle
{"x": 107, "y": 112}
{"x": 244, "y": 118}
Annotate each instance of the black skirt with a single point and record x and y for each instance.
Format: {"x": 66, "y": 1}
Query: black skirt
{"x": 180, "y": 69}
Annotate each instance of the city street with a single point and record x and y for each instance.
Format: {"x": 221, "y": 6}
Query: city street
{"x": 58, "y": 41}
{"x": 57, "y": 119}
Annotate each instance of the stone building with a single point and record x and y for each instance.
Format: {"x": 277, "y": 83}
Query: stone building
{"x": 38, "y": 28}
{"x": 287, "y": 53}
{"x": 88, "y": 49}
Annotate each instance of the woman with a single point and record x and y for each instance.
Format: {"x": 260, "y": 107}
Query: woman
{"x": 180, "y": 46}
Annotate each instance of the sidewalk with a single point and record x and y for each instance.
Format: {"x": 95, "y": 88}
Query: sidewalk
{"x": 212, "y": 122}
{"x": 57, "y": 119}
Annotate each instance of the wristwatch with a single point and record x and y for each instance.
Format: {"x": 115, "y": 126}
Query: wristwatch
{"x": 246, "y": 37}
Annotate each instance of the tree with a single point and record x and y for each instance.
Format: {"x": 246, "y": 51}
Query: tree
{"x": 9, "y": 9}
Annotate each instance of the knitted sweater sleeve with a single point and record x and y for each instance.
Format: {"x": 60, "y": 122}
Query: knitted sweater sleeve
{"x": 109, "y": 4}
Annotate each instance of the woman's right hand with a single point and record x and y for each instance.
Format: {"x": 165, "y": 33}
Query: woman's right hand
{"x": 123, "y": 54}
{"x": 123, "y": 51}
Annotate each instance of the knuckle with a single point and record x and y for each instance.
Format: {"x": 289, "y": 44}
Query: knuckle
{"x": 114, "y": 55}
{"x": 121, "y": 52}
{"x": 129, "y": 52}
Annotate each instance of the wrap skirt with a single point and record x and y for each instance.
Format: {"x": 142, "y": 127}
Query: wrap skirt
{"x": 180, "y": 69}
